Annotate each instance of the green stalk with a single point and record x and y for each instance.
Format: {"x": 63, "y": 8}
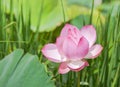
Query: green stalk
{"x": 78, "y": 83}
{"x": 116, "y": 77}
{"x": 91, "y": 15}
{"x": 63, "y": 10}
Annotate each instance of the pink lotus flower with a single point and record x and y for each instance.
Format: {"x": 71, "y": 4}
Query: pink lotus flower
{"x": 72, "y": 47}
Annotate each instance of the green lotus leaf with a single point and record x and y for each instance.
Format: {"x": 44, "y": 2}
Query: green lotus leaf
{"x": 19, "y": 70}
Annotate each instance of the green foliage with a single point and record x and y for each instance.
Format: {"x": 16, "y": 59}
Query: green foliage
{"x": 106, "y": 7}
{"x": 44, "y": 15}
{"x": 18, "y": 70}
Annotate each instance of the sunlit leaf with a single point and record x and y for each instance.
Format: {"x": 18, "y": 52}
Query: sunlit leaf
{"x": 46, "y": 15}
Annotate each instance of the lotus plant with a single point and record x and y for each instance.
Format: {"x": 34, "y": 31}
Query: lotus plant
{"x": 72, "y": 48}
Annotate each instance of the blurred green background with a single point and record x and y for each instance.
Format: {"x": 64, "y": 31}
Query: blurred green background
{"x": 30, "y": 24}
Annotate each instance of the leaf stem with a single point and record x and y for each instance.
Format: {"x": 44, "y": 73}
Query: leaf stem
{"x": 63, "y": 10}
{"x": 78, "y": 83}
